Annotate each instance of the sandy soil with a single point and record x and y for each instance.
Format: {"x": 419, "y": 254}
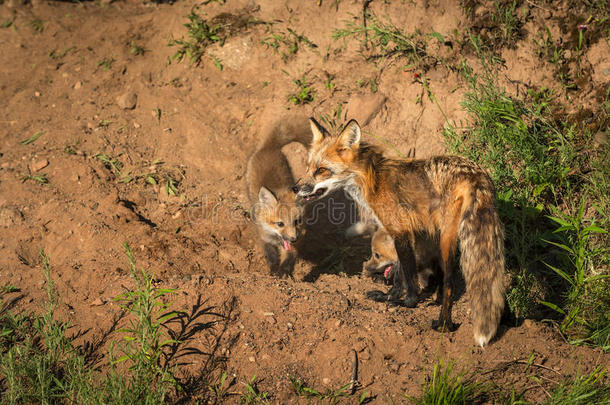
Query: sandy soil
{"x": 197, "y": 125}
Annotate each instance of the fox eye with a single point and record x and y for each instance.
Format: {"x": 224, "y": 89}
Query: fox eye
{"x": 279, "y": 224}
{"x": 376, "y": 255}
{"x": 320, "y": 170}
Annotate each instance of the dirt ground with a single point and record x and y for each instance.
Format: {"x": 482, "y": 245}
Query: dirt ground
{"x": 114, "y": 122}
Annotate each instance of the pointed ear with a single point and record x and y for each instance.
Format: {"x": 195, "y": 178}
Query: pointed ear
{"x": 318, "y": 132}
{"x": 350, "y": 136}
{"x": 265, "y": 196}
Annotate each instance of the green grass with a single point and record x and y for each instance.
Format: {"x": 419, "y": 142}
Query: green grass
{"x": 32, "y": 138}
{"x": 200, "y": 34}
{"x": 39, "y": 364}
{"x": 39, "y": 178}
{"x": 305, "y": 92}
{"x": 287, "y": 44}
{"x": 552, "y": 198}
{"x": 583, "y": 390}
{"x": 330, "y": 396}
{"x": 105, "y": 63}
{"x": 385, "y": 40}
{"x": 446, "y": 387}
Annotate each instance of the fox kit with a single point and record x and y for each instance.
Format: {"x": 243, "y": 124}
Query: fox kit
{"x": 270, "y": 181}
{"x": 385, "y": 260}
{"x": 448, "y": 198}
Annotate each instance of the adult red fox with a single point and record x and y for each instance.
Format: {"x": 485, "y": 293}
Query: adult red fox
{"x": 449, "y": 198}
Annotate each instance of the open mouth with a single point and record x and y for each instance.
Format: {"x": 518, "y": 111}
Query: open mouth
{"x": 319, "y": 193}
{"x": 287, "y": 245}
{"x": 387, "y": 272}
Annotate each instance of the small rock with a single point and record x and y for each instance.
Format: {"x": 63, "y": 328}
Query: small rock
{"x": 326, "y": 381}
{"x": 78, "y": 85}
{"x": 338, "y": 323}
{"x": 37, "y": 93}
{"x": 39, "y": 165}
{"x": 266, "y": 357}
{"x": 127, "y": 100}
{"x": 606, "y": 72}
{"x": 271, "y": 320}
{"x": 177, "y": 215}
{"x": 290, "y": 326}
{"x": 187, "y": 277}
{"x": 136, "y": 125}
{"x": 75, "y": 177}
{"x": 528, "y": 323}
{"x": 98, "y": 301}
{"x": 246, "y": 310}
{"x": 600, "y": 138}
{"x": 251, "y": 359}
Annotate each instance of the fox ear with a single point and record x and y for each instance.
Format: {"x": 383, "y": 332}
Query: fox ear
{"x": 317, "y": 131}
{"x": 265, "y": 196}
{"x": 350, "y": 136}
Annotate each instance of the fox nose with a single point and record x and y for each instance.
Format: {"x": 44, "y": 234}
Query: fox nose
{"x": 291, "y": 239}
{"x": 306, "y": 188}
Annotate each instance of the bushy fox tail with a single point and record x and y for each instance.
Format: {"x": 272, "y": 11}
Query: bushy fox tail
{"x": 482, "y": 261}
{"x": 282, "y": 130}
{"x": 268, "y": 166}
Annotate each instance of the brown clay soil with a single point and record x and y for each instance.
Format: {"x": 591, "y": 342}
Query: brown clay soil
{"x": 197, "y": 125}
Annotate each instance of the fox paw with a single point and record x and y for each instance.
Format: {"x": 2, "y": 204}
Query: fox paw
{"x": 410, "y": 301}
{"x": 376, "y": 295}
{"x": 440, "y": 325}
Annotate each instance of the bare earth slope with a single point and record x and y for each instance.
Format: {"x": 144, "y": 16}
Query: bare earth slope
{"x": 139, "y": 148}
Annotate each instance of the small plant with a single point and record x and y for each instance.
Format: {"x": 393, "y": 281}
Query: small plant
{"x": 252, "y": 395}
{"x": 220, "y": 388}
{"x": 574, "y": 241}
{"x": 331, "y": 396}
{"x": 135, "y": 49}
{"x": 505, "y": 16}
{"x": 200, "y": 35}
{"x": 171, "y": 186}
{"x": 446, "y": 387}
{"x": 287, "y": 44}
{"x": 37, "y": 25}
{"x": 305, "y": 92}
{"x": 32, "y": 138}
{"x": 384, "y": 40}
{"x": 145, "y": 336}
{"x": 584, "y": 390}
{"x": 39, "y": 178}
{"x": 105, "y": 63}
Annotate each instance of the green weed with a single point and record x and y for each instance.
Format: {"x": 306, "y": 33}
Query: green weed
{"x": 200, "y": 34}
{"x": 330, "y": 396}
{"x": 384, "y": 40}
{"x": 32, "y": 138}
{"x": 37, "y": 25}
{"x": 305, "y": 92}
{"x": 135, "y": 49}
{"x": 445, "y": 387}
{"x": 105, "y": 63}
{"x": 39, "y": 178}
{"x": 252, "y": 395}
{"x": 287, "y": 44}
{"x": 584, "y": 390}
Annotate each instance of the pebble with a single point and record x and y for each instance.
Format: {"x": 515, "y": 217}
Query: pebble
{"x": 326, "y": 381}
{"x": 39, "y": 165}
{"x": 251, "y": 359}
{"x": 78, "y": 85}
{"x": 97, "y": 302}
{"x": 127, "y": 100}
